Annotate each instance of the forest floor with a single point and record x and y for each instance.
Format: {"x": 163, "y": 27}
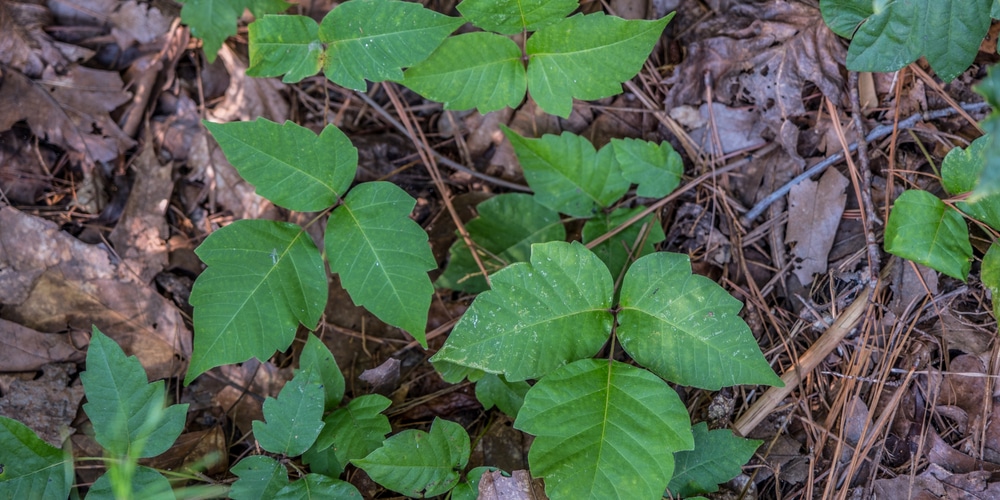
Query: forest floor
{"x": 103, "y": 152}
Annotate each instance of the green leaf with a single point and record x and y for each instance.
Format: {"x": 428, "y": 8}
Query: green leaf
{"x": 317, "y": 358}
{"x": 492, "y": 390}
{"x": 989, "y": 180}
{"x": 32, "y": 466}
{"x": 382, "y": 255}
{"x": 895, "y": 33}
{"x": 420, "y": 464}
{"x": 473, "y": 70}
{"x": 263, "y": 279}
{"x": 960, "y": 172}
{"x": 454, "y": 373}
{"x": 617, "y": 251}
{"x": 146, "y": 484}
{"x": 350, "y": 433}
{"x": 215, "y": 20}
{"x": 686, "y": 328}
{"x": 717, "y": 457}
{"x": 375, "y": 39}
{"x": 260, "y": 478}
{"x": 318, "y": 486}
{"x": 130, "y": 415}
{"x": 506, "y": 227}
{"x": 995, "y": 10}
{"x": 923, "y": 229}
{"x": 289, "y": 164}
{"x": 539, "y": 315}
{"x": 567, "y": 174}
{"x": 284, "y": 45}
{"x": 657, "y": 169}
{"x": 991, "y": 275}
{"x": 587, "y": 57}
{"x": 845, "y": 16}
{"x": 604, "y": 429}
{"x": 510, "y": 17}
{"x": 294, "y": 419}
{"x": 469, "y": 489}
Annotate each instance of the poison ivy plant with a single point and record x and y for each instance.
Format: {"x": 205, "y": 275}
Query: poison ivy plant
{"x": 888, "y": 35}
{"x": 215, "y": 20}
{"x": 30, "y": 465}
{"x": 264, "y": 278}
{"x": 923, "y": 229}
{"x": 349, "y": 433}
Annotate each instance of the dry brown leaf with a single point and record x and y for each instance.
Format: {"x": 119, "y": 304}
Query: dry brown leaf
{"x": 248, "y": 98}
{"x": 69, "y": 110}
{"x": 762, "y": 53}
{"x": 519, "y": 486}
{"x": 814, "y": 214}
{"x": 200, "y": 451}
{"x": 22, "y": 177}
{"x": 48, "y": 405}
{"x": 736, "y": 128}
{"x": 139, "y": 236}
{"x": 135, "y": 22}
{"x": 24, "y": 44}
{"x": 23, "y": 349}
{"x": 240, "y": 390}
{"x": 231, "y": 191}
{"x": 383, "y": 378}
{"x": 52, "y": 282}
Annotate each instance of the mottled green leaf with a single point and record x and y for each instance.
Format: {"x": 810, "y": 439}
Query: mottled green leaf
{"x": 923, "y": 229}
{"x": 960, "y": 172}
{"x": 604, "y": 429}
{"x": 717, "y": 457}
{"x": 263, "y": 279}
{"x": 539, "y": 315}
{"x": 506, "y": 227}
{"x": 656, "y": 169}
{"x": 686, "y": 328}
{"x": 382, "y": 255}
{"x": 420, "y": 464}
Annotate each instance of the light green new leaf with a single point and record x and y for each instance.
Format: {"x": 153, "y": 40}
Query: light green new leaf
{"x": 317, "y": 358}
{"x": 492, "y": 390}
{"x": 506, "y": 227}
{"x": 604, "y": 429}
{"x": 375, "y": 39}
{"x": 630, "y": 244}
{"x": 717, "y": 457}
{"x": 657, "y": 169}
{"x": 989, "y": 180}
{"x": 567, "y": 174}
{"x": 294, "y": 419}
{"x": 469, "y": 489}
{"x": 32, "y": 467}
{"x": 991, "y": 275}
{"x": 923, "y": 229}
{"x": 130, "y": 415}
{"x": 473, "y": 70}
{"x": 318, "y": 486}
{"x": 147, "y": 484}
{"x": 260, "y": 478}
{"x": 686, "y": 328}
{"x": 960, "y": 172}
{"x": 263, "y": 279}
{"x": 289, "y": 164}
{"x": 587, "y": 57}
{"x": 215, "y": 20}
{"x": 510, "y": 17}
{"x": 382, "y": 255}
{"x": 539, "y": 315}
{"x": 420, "y": 464}
{"x": 892, "y": 34}
{"x": 350, "y": 433}
{"x": 284, "y": 45}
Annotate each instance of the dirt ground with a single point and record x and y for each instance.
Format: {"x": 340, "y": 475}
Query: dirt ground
{"x": 109, "y": 181}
